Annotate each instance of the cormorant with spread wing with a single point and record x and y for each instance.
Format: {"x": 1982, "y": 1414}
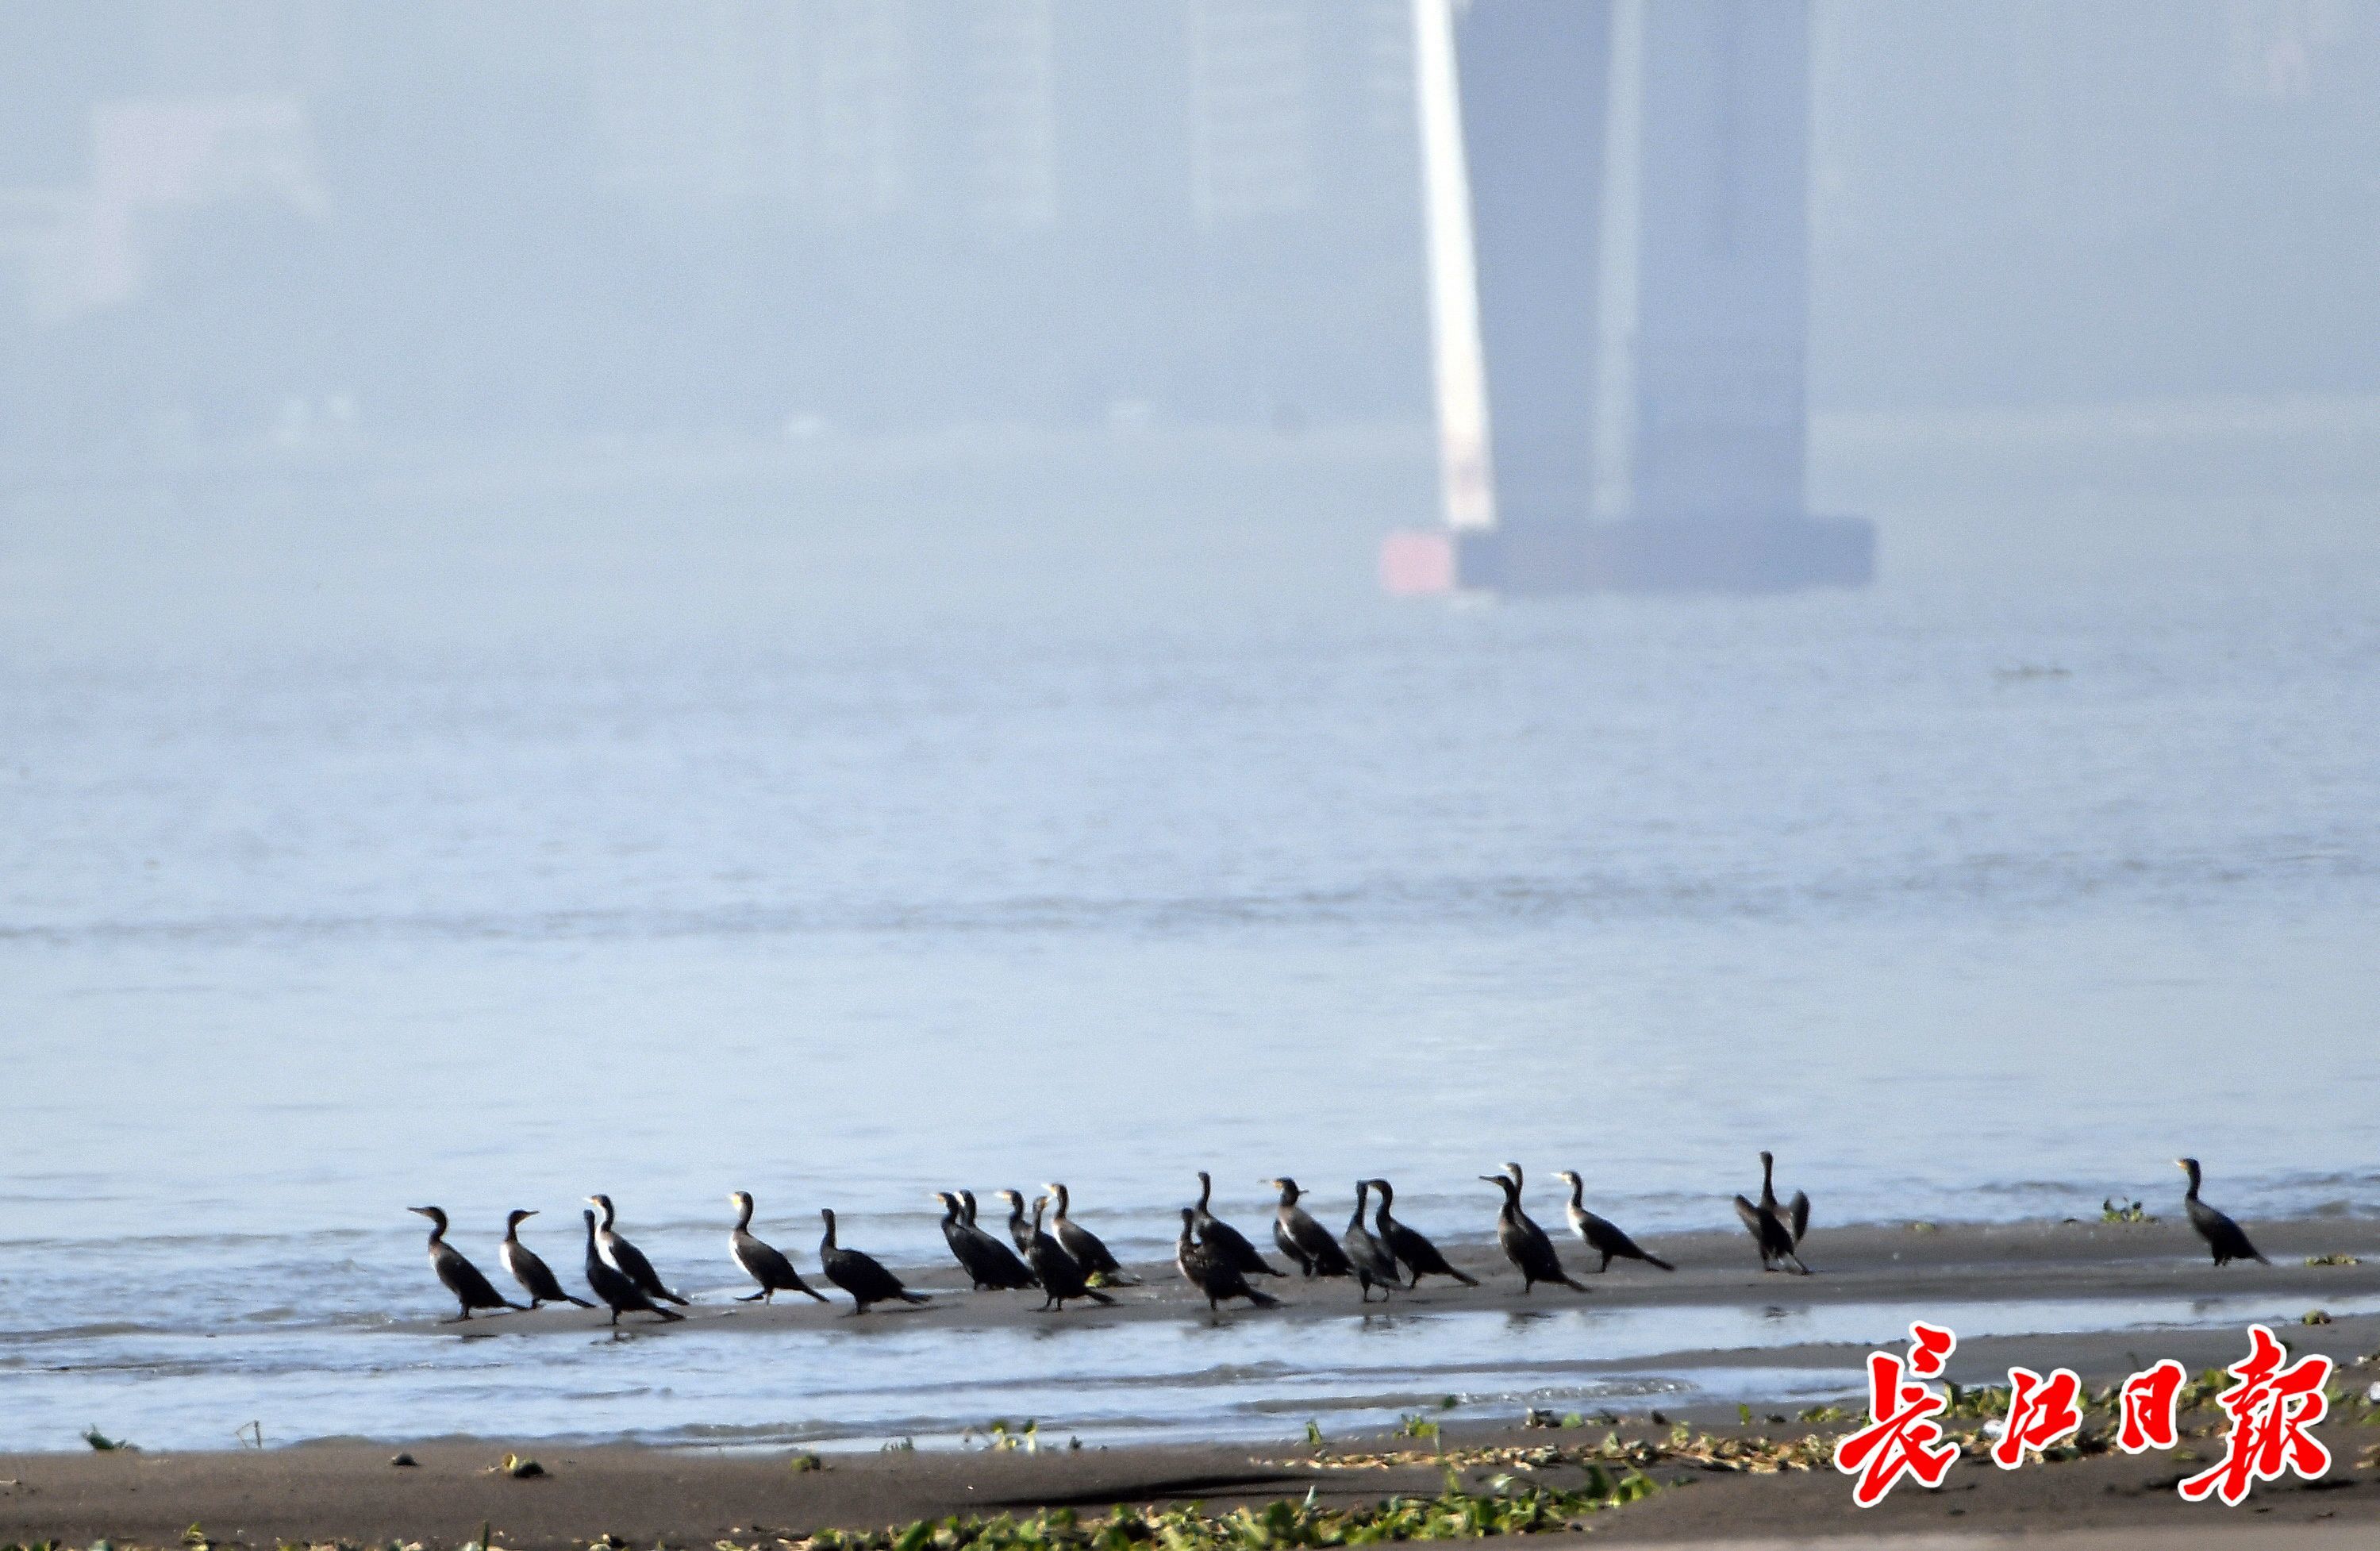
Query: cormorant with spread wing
{"x": 1779, "y": 1235}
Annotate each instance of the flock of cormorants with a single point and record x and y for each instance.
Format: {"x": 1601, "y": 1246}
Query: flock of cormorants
{"x": 1065, "y": 1261}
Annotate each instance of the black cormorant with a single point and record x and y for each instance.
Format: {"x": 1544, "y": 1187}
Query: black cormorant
{"x": 2222, "y": 1235}
{"x": 1060, "y": 1276}
{"x": 1225, "y": 1241}
{"x": 1082, "y": 1246}
{"x": 535, "y": 1277}
{"x": 987, "y": 1261}
{"x": 1417, "y": 1254}
{"x": 627, "y": 1257}
{"x": 1302, "y": 1238}
{"x": 1599, "y": 1234}
{"x": 1795, "y": 1214}
{"x": 859, "y": 1274}
{"x": 765, "y": 1264}
{"x": 613, "y": 1285}
{"x": 462, "y": 1278}
{"x": 1212, "y": 1270}
{"x": 1371, "y": 1262}
{"x": 1523, "y": 1242}
{"x": 1020, "y": 1232}
{"x": 1771, "y": 1232}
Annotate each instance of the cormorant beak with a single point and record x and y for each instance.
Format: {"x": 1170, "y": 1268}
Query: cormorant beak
{"x": 530, "y": 1213}
{"x": 1495, "y": 1180}
{"x": 423, "y": 1211}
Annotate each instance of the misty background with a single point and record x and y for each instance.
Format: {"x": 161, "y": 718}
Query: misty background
{"x": 323, "y": 320}
{"x": 668, "y": 598}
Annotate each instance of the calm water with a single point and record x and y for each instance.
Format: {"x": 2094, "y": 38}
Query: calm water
{"x": 1972, "y": 903}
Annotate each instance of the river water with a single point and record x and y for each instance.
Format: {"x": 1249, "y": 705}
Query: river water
{"x": 1974, "y": 902}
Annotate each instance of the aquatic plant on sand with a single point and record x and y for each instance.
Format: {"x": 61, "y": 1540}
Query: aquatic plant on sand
{"x": 1508, "y": 1507}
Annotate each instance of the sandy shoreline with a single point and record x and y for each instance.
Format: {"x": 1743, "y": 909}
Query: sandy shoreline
{"x": 1953, "y": 1263}
{"x": 348, "y": 1491}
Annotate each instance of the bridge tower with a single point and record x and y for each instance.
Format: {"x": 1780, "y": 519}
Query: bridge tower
{"x": 1617, "y": 198}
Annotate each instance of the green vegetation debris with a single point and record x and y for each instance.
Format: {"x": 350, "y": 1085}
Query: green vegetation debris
{"x": 1284, "y": 1525}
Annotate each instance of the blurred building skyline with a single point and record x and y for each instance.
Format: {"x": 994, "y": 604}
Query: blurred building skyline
{"x": 754, "y": 217}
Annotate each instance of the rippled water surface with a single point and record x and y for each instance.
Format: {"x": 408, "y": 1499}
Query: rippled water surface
{"x": 1972, "y": 904}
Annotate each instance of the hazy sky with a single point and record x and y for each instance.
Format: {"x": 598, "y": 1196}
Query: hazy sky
{"x": 1143, "y": 280}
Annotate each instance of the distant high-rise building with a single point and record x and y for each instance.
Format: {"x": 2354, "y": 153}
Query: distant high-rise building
{"x": 1251, "y": 129}
{"x": 752, "y": 104}
{"x": 1005, "y": 147}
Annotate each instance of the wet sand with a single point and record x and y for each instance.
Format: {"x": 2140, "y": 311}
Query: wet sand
{"x": 349, "y": 1491}
{"x": 1897, "y": 1265}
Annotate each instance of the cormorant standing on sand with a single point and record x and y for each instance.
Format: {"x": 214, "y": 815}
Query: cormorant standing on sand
{"x": 987, "y": 1261}
{"x": 859, "y": 1274}
{"x": 1302, "y": 1238}
{"x": 1083, "y": 1246}
{"x": 1777, "y": 1241}
{"x": 1225, "y": 1241}
{"x": 765, "y": 1264}
{"x": 627, "y": 1257}
{"x": 1794, "y": 1214}
{"x": 1373, "y": 1266}
{"x": 1524, "y": 1242}
{"x": 613, "y": 1285}
{"x": 1020, "y": 1232}
{"x": 1600, "y": 1235}
{"x": 2222, "y": 1235}
{"x": 462, "y": 1278}
{"x": 535, "y": 1277}
{"x": 1210, "y": 1269}
{"x": 1060, "y": 1276}
{"x": 1415, "y": 1253}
